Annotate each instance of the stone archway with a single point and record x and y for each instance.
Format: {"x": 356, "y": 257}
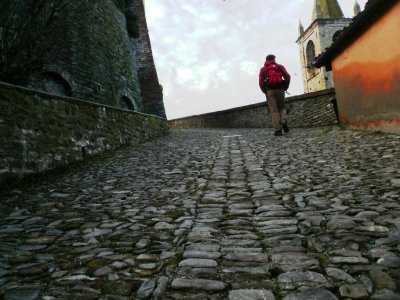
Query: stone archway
{"x": 56, "y": 84}
{"x": 127, "y": 103}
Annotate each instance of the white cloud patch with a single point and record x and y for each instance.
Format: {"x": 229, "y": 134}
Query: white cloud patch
{"x": 184, "y": 76}
{"x": 249, "y": 67}
{"x": 201, "y": 77}
{"x": 154, "y": 10}
{"x": 223, "y": 76}
{"x": 168, "y": 89}
{"x": 200, "y": 13}
{"x": 193, "y": 47}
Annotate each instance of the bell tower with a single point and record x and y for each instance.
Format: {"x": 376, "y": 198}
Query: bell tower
{"x": 326, "y": 24}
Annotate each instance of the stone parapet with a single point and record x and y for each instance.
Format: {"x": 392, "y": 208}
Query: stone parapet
{"x": 308, "y": 110}
{"x": 40, "y": 131}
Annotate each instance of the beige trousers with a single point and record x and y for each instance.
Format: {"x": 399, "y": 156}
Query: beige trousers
{"x": 276, "y": 104}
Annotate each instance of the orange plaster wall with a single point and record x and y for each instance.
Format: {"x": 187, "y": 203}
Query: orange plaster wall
{"x": 367, "y": 77}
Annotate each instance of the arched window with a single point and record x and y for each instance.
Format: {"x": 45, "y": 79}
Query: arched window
{"x": 310, "y": 53}
{"x": 126, "y": 103}
{"x": 336, "y": 35}
{"x": 56, "y": 84}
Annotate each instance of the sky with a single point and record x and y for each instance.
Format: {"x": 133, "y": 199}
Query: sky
{"x": 208, "y": 53}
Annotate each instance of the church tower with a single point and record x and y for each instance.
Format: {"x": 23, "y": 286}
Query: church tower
{"x": 326, "y": 24}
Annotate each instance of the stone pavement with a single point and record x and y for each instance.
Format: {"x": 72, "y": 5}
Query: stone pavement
{"x": 212, "y": 214}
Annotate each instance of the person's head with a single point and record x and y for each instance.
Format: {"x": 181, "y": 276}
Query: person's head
{"x": 270, "y": 57}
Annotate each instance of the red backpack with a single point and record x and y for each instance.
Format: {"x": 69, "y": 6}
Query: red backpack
{"x": 274, "y": 76}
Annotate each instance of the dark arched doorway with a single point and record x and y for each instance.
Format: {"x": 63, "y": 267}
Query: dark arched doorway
{"x": 54, "y": 83}
{"x": 126, "y": 103}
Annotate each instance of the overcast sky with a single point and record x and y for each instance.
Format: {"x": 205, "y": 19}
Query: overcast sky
{"x": 208, "y": 53}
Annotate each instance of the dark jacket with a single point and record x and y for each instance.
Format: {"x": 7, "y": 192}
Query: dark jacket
{"x": 263, "y": 77}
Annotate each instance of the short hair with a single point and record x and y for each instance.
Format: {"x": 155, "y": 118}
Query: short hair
{"x": 270, "y": 57}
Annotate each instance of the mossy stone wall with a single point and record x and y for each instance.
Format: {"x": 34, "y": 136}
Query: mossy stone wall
{"x": 100, "y": 60}
{"x": 40, "y": 131}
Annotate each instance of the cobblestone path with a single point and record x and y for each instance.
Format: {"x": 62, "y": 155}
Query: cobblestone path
{"x": 212, "y": 214}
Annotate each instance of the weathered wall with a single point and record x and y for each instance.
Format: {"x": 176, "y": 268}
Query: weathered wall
{"x": 308, "y": 110}
{"x": 99, "y": 50}
{"x": 40, "y": 132}
{"x": 367, "y": 78}
{"x": 96, "y": 58}
{"x": 151, "y": 90}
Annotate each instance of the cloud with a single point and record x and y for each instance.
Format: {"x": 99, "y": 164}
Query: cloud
{"x": 202, "y": 76}
{"x": 249, "y": 67}
{"x": 167, "y": 89}
{"x": 200, "y": 14}
{"x": 223, "y": 76}
{"x": 155, "y": 10}
{"x": 198, "y": 58}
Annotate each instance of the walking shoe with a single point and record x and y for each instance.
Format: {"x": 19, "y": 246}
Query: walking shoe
{"x": 278, "y": 132}
{"x": 285, "y": 128}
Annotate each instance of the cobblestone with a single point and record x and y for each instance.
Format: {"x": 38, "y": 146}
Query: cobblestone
{"x": 212, "y": 214}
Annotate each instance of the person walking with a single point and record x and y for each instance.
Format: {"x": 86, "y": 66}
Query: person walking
{"x": 274, "y": 80}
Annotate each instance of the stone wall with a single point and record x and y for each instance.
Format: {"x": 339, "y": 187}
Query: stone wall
{"x": 151, "y": 90}
{"x": 308, "y": 110}
{"x": 96, "y": 60}
{"x": 40, "y": 131}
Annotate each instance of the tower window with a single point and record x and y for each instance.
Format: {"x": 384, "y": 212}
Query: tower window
{"x": 310, "y": 53}
{"x": 336, "y": 35}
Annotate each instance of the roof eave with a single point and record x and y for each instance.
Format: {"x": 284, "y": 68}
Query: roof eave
{"x": 353, "y": 31}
